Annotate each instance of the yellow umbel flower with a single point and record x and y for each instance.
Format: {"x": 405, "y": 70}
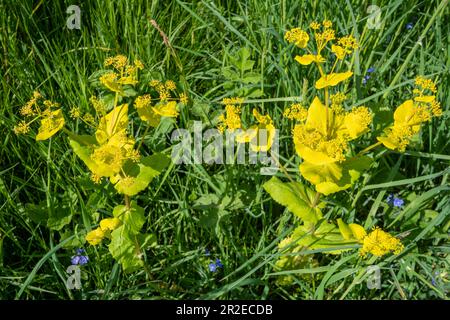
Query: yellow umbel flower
{"x": 118, "y": 62}
{"x": 425, "y": 84}
{"x": 314, "y": 25}
{"x": 138, "y": 64}
{"x": 408, "y": 118}
{"x": 95, "y": 237}
{"x": 231, "y": 119}
{"x": 21, "y": 128}
{"x": 98, "y": 105}
{"x": 357, "y": 121}
{"x": 297, "y": 36}
{"x": 327, "y": 24}
{"x": 155, "y": 83}
{"x": 380, "y": 243}
{"x": 89, "y": 118}
{"x": 348, "y": 43}
{"x": 184, "y": 98}
{"x": 233, "y": 100}
{"x": 170, "y": 85}
{"x": 296, "y": 112}
{"x": 75, "y": 113}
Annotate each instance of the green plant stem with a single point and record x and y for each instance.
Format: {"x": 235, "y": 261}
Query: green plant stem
{"x": 369, "y": 148}
{"x": 127, "y": 202}
{"x": 143, "y": 137}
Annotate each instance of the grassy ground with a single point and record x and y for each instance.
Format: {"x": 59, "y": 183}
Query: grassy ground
{"x": 40, "y": 52}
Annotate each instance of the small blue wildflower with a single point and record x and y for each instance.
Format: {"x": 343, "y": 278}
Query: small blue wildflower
{"x": 75, "y": 260}
{"x": 364, "y": 81}
{"x": 398, "y": 202}
{"x": 212, "y": 267}
{"x": 219, "y": 263}
{"x": 79, "y": 259}
{"x": 207, "y": 253}
{"x": 394, "y": 201}
{"x": 370, "y": 70}
{"x": 409, "y": 26}
{"x": 83, "y": 260}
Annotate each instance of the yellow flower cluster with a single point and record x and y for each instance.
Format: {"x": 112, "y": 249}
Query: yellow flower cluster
{"x": 295, "y": 112}
{"x": 165, "y": 105}
{"x": 297, "y": 36}
{"x": 107, "y": 225}
{"x": 51, "y": 121}
{"x": 324, "y": 147}
{"x": 231, "y": 119}
{"x": 316, "y": 143}
{"x": 380, "y": 243}
{"x": 410, "y": 115}
{"x": 337, "y": 101}
{"x": 345, "y": 45}
{"x": 377, "y": 242}
{"x": 260, "y": 135}
{"x": 124, "y": 74}
{"x": 113, "y": 147}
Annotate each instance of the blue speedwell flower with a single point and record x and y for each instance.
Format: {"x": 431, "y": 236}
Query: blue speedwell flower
{"x": 219, "y": 263}
{"x": 79, "y": 258}
{"x": 409, "y": 26}
{"x": 398, "y": 202}
{"x": 367, "y": 76}
{"x": 212, "y": 267}
{"x": 394, "y": 201}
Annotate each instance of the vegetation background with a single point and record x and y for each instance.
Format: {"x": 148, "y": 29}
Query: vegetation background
{"x": 220, "y": 208}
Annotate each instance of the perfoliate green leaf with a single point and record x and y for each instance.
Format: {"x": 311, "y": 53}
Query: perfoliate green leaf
{"x": 333, "y": 177}
{"x": 139, "y": 175}
{"x": 124, "y": 248}
{"x": 133, "y": 218}
{"x": 81, "y": 145}
{"x": 296, "y": 197}
{"x": 116, "y": 121}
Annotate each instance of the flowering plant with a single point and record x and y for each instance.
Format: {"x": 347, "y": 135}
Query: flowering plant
{"x": 110, "y": 152}
{"x": 324, "y": 137}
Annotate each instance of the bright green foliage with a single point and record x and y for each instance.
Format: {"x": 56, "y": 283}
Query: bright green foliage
{"x": 127, "y": 243}
{"x": 296, "y": 197}
{"x": 142, "y": 173}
